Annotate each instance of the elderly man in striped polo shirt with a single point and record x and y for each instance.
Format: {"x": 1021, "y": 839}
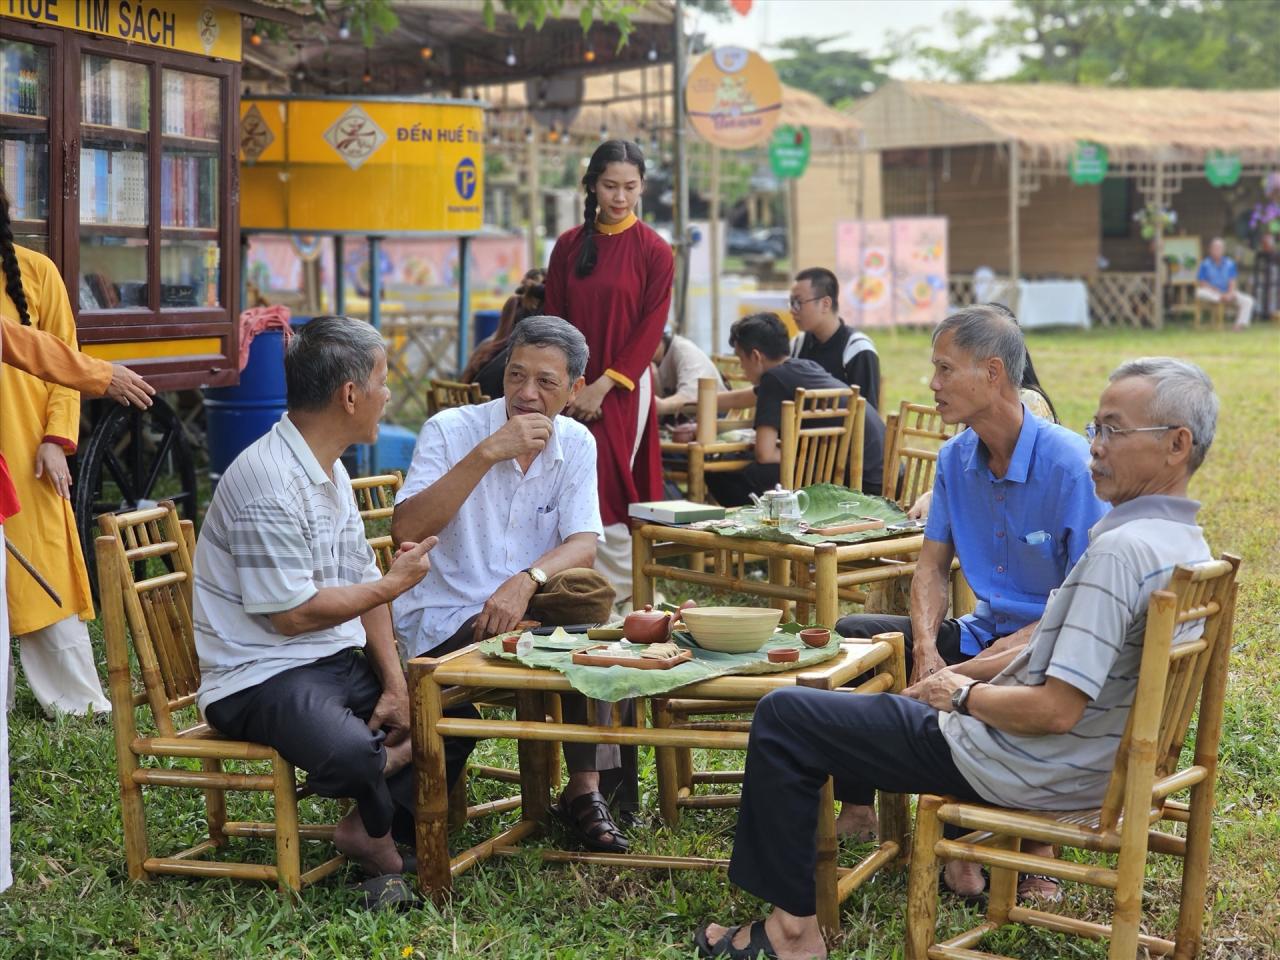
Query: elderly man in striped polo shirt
{"x": 292, "y": 617}
{"x": 1041, "y": 732}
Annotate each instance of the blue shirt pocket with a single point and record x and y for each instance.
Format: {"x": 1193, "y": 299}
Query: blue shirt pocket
{"x": 1036, "y": 567}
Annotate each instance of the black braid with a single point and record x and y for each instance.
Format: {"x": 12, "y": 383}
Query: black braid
{"x": 587, "y": 253}
{"x": 9, "y": 261}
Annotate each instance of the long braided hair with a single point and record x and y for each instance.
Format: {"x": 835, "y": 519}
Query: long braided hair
{"x": 611, "y": 151}
{"x": 9, "y": 261}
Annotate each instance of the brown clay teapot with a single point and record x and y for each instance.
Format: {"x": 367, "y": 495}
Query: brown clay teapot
{"x": 647, "y": 625}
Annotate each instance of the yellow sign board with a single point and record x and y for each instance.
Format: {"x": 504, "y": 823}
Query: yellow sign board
{"x": 733, "y": 98}
{"x": 187, "y": 25}
{"x": 361, "y": 166}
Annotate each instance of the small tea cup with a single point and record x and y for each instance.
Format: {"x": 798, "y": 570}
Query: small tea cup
{"x": 783, "y": 655}
{"x": 816, "y": 636}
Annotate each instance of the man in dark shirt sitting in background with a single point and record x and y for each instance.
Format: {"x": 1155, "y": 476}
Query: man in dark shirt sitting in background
{"x": 845, "y": 353}
{"x": 760, "y": 343}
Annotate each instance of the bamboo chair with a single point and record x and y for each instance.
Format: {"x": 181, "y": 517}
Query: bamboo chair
{"x": 730, "y": 369}
{"x": 1173, "y": 679}
{"x": 155, "y": 614}
{"x": 913, "y": 436}
{"x": 699, "y": 454}
{"x": 443, "y": 394}
{"x": 1215, "y": 312}
{"x": 376, "y": 500}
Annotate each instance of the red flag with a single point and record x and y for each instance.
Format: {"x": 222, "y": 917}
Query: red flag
{"x": 742, "y": 7}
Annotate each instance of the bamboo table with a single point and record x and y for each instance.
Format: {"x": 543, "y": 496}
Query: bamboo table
{"x": 468, "y": 675}
{"x": 826, "y": 573}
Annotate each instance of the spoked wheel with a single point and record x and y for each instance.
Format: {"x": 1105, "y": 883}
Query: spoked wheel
{"x": 132, "y": 460}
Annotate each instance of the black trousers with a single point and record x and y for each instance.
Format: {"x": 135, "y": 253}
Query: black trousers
{"x": 315, "y": 715}
{"x": 799, "y": 737}
{"x": 870, "y": 624}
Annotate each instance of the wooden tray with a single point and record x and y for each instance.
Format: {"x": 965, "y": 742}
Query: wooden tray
{"x": 840, "y": 528}
{"x": 589, "y": 659}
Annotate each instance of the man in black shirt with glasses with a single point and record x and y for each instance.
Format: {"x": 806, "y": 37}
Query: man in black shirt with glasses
{"x": 845, "y": 353}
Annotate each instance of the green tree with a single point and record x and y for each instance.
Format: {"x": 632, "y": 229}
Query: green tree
{"x": 1225, "y": 44}
{"x": 837, "y": 76}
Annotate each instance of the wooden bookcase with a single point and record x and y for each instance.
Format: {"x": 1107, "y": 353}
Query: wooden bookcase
{"x": 120, "y": 163}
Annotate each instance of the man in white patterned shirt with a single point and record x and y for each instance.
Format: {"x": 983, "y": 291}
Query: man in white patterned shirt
{"x": 292, "y": 618}
{"x": 1032, "y": 727}
{"x": 509, "y": 488}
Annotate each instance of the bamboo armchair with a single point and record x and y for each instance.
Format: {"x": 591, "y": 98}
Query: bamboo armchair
{"x": 376, "y": 500}
{"x": 443, "y": 394}
{"x": 1173, "y": 679}
{"x": 700, "y": 453}
{"x": 153, "y": 614}
{"x": 814, "y": 448}
{"x": 913, "y": 436}
{"x": 1215, "y": 312}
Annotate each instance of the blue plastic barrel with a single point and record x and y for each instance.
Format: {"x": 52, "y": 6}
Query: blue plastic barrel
{"x": 485, "y": 322}
{"x": 237, "y": 416}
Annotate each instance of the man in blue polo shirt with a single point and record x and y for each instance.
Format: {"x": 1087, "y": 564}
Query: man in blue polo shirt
{"x": 1012, "y": 499}
{"x": 1216, "y": 282}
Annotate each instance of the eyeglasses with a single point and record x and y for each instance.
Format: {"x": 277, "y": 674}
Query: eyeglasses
{"x": 797, "y": 303}
{"x": 1104, "y": 432}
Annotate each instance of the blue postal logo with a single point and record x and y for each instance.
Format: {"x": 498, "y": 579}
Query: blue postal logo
{"x": 464, "y": 178}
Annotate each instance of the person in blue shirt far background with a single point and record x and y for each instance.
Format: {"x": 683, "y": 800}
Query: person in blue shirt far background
{"x": 1216, "y": 282}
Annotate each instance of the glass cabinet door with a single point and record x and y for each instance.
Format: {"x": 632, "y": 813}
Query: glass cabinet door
{"x": 190, "y": 261}
{"x": 115, "y": 107}
{"x": 25, "y": 94}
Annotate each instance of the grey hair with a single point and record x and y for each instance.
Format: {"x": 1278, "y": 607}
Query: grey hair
{"x": 984, "y": 332}
{"x": 1183, "y": 397}
{"x": 544, "y": 331}
{"x": 324, "y": 354}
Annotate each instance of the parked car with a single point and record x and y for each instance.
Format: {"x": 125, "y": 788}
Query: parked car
{"x": 758, "y": 242}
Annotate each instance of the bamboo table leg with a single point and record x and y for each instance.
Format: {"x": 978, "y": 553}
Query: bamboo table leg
{"x": 825, "y": 586}
{"x": 535, "y": 784}
{"x": 665, "y": 761}
{"x": 431, "y": 807}
{"x": 641, "y": 582}
{"x": 780, "y": 574}
{"x": 825, "y": 874}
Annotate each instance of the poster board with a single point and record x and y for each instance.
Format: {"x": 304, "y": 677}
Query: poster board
{"x": 1182, "y": 255}
{"x": 892, "y": 272}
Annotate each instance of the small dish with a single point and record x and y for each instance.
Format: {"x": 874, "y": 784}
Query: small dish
{"x": 816, "y": 636}
{"x": 784, "y": 655}
{"x": 509, "y": 643}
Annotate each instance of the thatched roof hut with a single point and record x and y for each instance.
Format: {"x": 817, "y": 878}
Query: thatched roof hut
{"x": 1048, "y": 120}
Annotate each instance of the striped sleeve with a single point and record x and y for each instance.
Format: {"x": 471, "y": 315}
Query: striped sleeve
{"x": 1106, "y": 595}
{"x": 272, "y": 557}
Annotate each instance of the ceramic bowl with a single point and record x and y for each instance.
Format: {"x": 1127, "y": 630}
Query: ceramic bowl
{"x": 784, "y": 655}
{"x": 731, "y": 629}
{"x": 816, "y": 636}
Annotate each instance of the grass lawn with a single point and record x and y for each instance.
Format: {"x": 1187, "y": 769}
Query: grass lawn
{"x": 71, "y": 898}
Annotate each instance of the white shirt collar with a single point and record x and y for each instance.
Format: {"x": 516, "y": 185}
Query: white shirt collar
{"x": 295, "y": 441}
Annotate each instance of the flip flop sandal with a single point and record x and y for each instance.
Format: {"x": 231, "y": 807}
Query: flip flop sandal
{"x": 587, "y": 817}
{"x": 388, "y": 892}
{"x": 1035, "y": 896}
{"x": 757, "y": 946}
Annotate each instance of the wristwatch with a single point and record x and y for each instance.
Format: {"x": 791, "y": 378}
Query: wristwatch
{"x": 537, "y": 575}
{"x": 960, "y": 698}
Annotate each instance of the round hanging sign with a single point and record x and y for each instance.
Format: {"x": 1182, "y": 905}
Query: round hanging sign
{"x": 1088, "y": 164}
{"x": 789, "y": 151}
{"x": 1222, "y": 169}
{"x": 733, "y": 98}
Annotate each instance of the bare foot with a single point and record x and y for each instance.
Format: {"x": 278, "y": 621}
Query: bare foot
{"x": 375, "y": 855}
{"x": 963, "y": 878}
{"x": 793, "y": 938}
{"x": 858, "y": 822}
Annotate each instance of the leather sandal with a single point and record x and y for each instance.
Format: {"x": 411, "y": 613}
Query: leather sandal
{"x": 759, "y": 945}
{"x": 587, "y": 816}
{"x": 1032, "y": 895}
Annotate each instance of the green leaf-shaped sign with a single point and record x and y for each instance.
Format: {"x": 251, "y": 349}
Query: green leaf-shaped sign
{"x": 1222, "y": 169}
{"x": 1088, "y": 164}
{"x": 789, "y": 151}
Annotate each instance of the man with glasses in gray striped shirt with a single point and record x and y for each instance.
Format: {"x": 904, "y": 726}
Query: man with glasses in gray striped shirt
{"x": 1034, "y": 727}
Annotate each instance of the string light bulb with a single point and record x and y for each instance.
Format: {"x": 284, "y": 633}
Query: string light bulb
{"x": 255, "y": 39}
{"x": 653, "y": 54}
{"x": 589, "y": 54}
{"x": 511, "y": 56}
{"x": 427, "y": 53}
{"x": 528, "y": 134}
{"x": 344, "y": 29}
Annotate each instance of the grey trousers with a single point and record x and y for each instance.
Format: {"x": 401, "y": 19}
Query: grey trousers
{"x": 315, "y": 715}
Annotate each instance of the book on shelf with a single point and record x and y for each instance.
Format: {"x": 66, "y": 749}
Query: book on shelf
{"x": 23, "y": 169}
{"x": 192, "y": 105}
{"x": 113, "y": 93}
{"x": 675, "y": 511}
{"x": 113, "y": 187}
{"x": 188, "y": 190}
{"x": 23, "y": 85}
